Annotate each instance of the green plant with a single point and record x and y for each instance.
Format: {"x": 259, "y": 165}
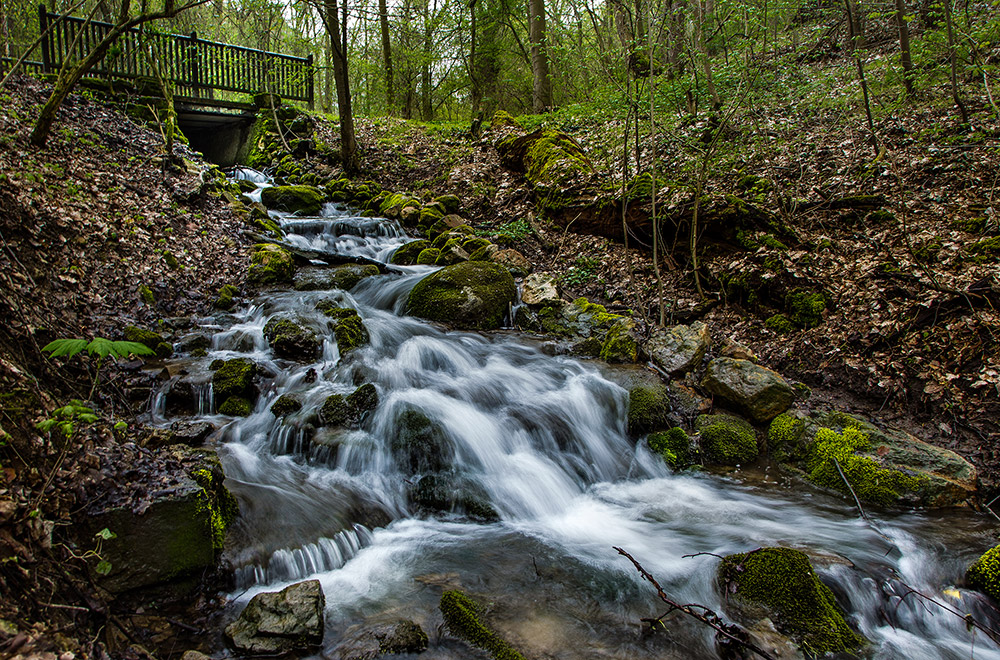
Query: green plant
{"x": 98, "y": 346}
{"x": 66, "y": 418}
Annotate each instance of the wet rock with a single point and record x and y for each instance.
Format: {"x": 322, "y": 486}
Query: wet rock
{"x": 194, "y": 342}
{"x": 780, "y": 584}
{"x": 759, "y": 392}
{"x": 673, "y": 446}
{"x": 984, "y": 573}
{"x": 191, "y": 433}
{"x": 540, "y": 289}
{"x": 236, "y": 406}
{"x": 648, "y": 409}
{"x": 234, "y": 377}
{"x": 285, "y": 405}
{"x": 451, "y": 203}
{"x": 419, "y": 446}
{"x": 473, "y": 296}
{"x": 348, "y": 327}
{"x": 726, "y": 440}
{"x": 883, "y": 466}
{"x": 462, "y": 616}
{"x": 513, "y": 261}
{"x": 151, "y": 340}
{"x": 305, "y": 200}
{"x": 340, "y": 410}
{"x": 451, "y": 253}
{"x": 678, "y": 349}
{"x": 280, "y": 622}
{"x": 181, "y": 399}
{"x": 342, "y": 277}
{"x": 291, "y": 340}
{"x": 450, "y": 493}
{"x": 406, "y": 255}
{"x": 428, "y": 256}
{"x": 271, "y": 264}
{"x": 619, "y": 343}
{"x": 178, "y": 535}
{"x": 373, "y": 641}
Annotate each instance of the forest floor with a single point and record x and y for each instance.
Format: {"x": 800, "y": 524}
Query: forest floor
{"x": 908, "y": 332}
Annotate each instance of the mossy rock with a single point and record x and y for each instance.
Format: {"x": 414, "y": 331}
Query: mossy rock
{"x": 726, "y": 440}
{"x": 419, "y": 445}
{"x": 451, "y": 203}
{"x": 780, "y": 584}
{"x": 452, "y": 253}
{"x": 406, "y": 255}
{"x": 648, "y": 409}
{"x": 271, "y": 264}
{"x": 784, "y": 439}
{"x": 234, "y": 378}
{"x": 984, "y": 573}
{"x": 344, "y": 277}
{"x": 227, "y": 297}
{"x": 306, "y": 200}
{"x": 759, "y": 392}
{"x": 462, "y": 616}
{"x": 470, "y": 245}
{"x": 474, "y": 295}
{"x": 236, "y": 406}
{"x": 805, "y": 308}
{"x": 285, "y": 405}
{"x": 485, "y": 253}
{"x": 428, "y": 256}
{"x": 673, "y": 446}
{"x": 450, "y": 493}
{"x": 780, "y": 324}
{"x": 350, "y": 332}
{"x": 150, "y": 340}
{"x": 619, "y": 344}
{"x": 551, "y": 162}
{"x": 349, "y": 410}
{"x": 291, "y": 340}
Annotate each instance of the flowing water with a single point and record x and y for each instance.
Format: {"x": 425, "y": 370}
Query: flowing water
{"x": 543, "y": 440}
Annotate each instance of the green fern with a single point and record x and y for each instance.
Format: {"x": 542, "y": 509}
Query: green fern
{"x": 98, "y": 346}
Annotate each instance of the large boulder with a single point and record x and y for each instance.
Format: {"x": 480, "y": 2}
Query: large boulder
{"x": 648, "y": 409}
{"x": 726, "y": 440}
{"x": 679, "y": 349}
{"x": 375, "y": 641}
{"x": 474, "y": 295}
{"x": 759, "y": 392}
{"x": 883, "y": 466}
{"x": 450, "y": 493}
{"x": 293, "y": 199}
{"x": 271, "y": 264}
{"x": 343, "y": 277}
{"x": 280, "y": 622}
{"x": 780, "y": 584}
{"x": 292, "y": 340}
{"x": 984, "y": 573}
{"x": 550, "y": 161}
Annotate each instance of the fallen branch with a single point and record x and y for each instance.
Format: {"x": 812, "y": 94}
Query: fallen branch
{"x": 731, "y": 632}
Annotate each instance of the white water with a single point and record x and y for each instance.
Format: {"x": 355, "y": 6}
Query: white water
{"x": 543, "y": 439}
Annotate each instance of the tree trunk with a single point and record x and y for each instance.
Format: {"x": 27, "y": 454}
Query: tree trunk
{"x": 701, "y": 21}
{"x": 952, "y": 57}
{"x": 383, "y": 19}
{"x": 541, "y": 98}
{"x": 426, "y": 106}
{"x": 338, "y": 47}
{"x": 904, "y": 46}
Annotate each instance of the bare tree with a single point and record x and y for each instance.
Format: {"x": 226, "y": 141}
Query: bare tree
{"x": 541, "y": 98}
{"x": 383, "y": 20}
{"x": 904, "y": 46}
{"x": 334, "y": 17}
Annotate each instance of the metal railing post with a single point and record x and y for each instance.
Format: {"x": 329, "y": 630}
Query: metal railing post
{"x": 43, "y": 26}
{"x": 310, "y": 81}
{"x": 195, "y": 69}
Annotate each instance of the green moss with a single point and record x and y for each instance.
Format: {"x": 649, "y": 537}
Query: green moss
{"x": 782, "y": 583}
{"x": 462, "y": 617}
{"x": 987, "y": 249}
{"x": 451, "y": 203}
{"x": 226, "y": 299}
{"x": 471, "y": 245}
{"x": 869, "y": 481}
{"x": 474, "y": 295}
{"x": 217, "y": 501}
{"x": 619, "y": 344}
{"x": 271, "y": 264}
{"x": 674, "y": 446}
{"x": 406, "y": 255}
{"x": 805, "y": 308}
{"x": 150, "y": 340}
{"x": 285, "y": 405}
{"x": 880, "y": 217}
{"x": 293, "y": 199}
{"x": 290, "y": 340}
{"x": 335, "y": 410}
{"x": 783, "y": 437}
{"x": 984, "y": 574}
{"x": 234, "y": 377}
{"x": 236, "y": 406}
{"x": 428, "y": 256}
{"x": 171, "y": 260}
{"x": 349, "y": 330}
{"x": 780, "y": 324}
{"x": 648, "y": 409}
{"x": 727, "y": 440}
{"x": 146, "y": 295}
{"x": 971, "y": 225}
{"x": 771, "y": 242}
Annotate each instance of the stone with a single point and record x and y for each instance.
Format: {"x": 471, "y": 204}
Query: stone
{"x": 305, "y": 200}
{"x": 726, "y": 440}
{"x": 450, "y": 493}
{"x": 292, "y": 341}
{"x": 619, "y": 343}
{"x": 191, "y": 433}
{"x": 451, "y": 203}
{"x": 648, "y": 409}
{"x": 462, "y": 616}
{"x": 678, "y": 349}
{"x": 451, "y": 253}
{"x": 286, "y": 404}
{"x": 369, "y": 642}
{"x": 341, "y": 410}
{"x": 780, "y": 584}
{"x": 234, "y": 378}
{"x": 344, "y": 277}
{"x": 984, "y": 573}
{"x": 271, "y": 264}
{"x": 406, "y": 254}
{"x": 757, "y": 391}
{"x": 419, "y": 446}
{"x": 151, "y": 340}
{"x": 280, "y": 622}
{"x": 540, "y": 289}
{"x": 474, "y": 295}
{"x": 514, "y": 261}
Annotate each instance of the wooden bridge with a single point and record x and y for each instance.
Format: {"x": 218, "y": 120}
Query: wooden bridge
{"x": 204, "y": 73}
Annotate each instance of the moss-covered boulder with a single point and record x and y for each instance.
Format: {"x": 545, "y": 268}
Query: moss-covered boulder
{"x": 285, "y": 405}
{"x": 780, "y": 584}
{"x": 984, "y": 573}
{"x": 428, "y": 256}
{"x": 450, "y": 493}
{"x": 726, "y": 440}
{"x": 551, "y": 162}
{"x": 451, "y": 253}
{"x": 451, "y": 203}
{"x": 462, "y": 616}
{"x": 292, "y": 340}
{"x": 177, "y": 535}
{"x": 620, "y": 344}
{"x": 673, "y": 446}
{"x": 883, "y": 466}
{"x": 474, "y": 295}
{"x": 227, "y": 297}
{"x": 236, "y": 406}
{"x": 513, "y": 261}
{"x": 648, "y": 409}
{"x": 348, "y": 328}
{"x": 679, "y": 349}
{"x": 271, "y": 264}
{"x": 305, "y": 200}
{"x": 406, "y": 255}
{"x": 344, "y": 277}
{"x": 759, "y": 392}
{"x": 349, "y": 410}
{"x": 419, "y": 445}
{"x": 151, "y": 340}
{"x": 234, "y": 377}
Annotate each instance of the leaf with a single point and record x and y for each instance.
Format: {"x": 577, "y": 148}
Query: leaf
{"x": 65, "y": 347}
{"x": 100, "y": 346}
{"x": 103, "y": 567}
{"x": 125, "y": 348}
{"x": 106, "y": 534}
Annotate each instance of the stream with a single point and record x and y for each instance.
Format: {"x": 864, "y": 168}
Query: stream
{"x": 542, "y": 439}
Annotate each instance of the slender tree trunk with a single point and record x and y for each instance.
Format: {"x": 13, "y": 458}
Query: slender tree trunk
{"x": 856, "y": 47}
{"x": 904, "y": 46}
{"x": 953, "y": 57}
{"x": 328, "y": 82}
{"x": 706, "y": 63}
{"x": 541, "y": 98}
{"x": 426, "y": 106}
{"x": 383, "y": 19}
{"x": 338, "y": 47}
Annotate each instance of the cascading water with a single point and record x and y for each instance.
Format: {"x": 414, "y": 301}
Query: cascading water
{"x": 549, "y": 481}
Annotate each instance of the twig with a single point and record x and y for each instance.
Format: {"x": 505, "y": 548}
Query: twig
{"x": 709, "y": 618}
{"x": 967, "y": 617}
{"x": 850, "y": 488}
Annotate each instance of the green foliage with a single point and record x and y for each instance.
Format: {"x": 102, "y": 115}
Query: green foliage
{"x": 673, "y": 446}
{"x": 984, "y": 574}
{"x": 65, "y": 419}
{"x": 98, "y": 346}
{"x": 583, "y": 270}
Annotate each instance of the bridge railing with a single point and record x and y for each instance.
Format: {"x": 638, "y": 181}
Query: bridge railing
{"x": 197, "y": 68}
